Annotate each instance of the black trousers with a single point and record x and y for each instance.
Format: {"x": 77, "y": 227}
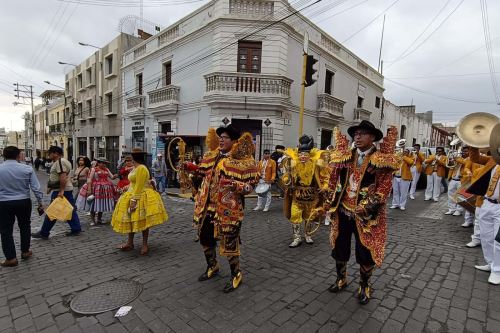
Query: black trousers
{"x": 9, "y": 210}
{"x": 342, "y": 250}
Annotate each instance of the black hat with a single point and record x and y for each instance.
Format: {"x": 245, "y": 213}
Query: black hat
{"x": 306, "y": 143}
{"x": 280, "y": 147}
{"x": 233, "y": 132}
{"x": 368, "y": 126}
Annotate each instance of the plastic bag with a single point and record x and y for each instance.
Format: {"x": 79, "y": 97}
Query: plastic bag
{"x": 60, "y": 209}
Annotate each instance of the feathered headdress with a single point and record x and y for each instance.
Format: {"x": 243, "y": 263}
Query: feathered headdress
{"x": 212, "y": 140}
{"x": 342, "y": 151}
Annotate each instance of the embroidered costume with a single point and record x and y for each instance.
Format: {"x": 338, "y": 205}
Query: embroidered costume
{"x": 360, "y": 183}
{"x": 303, "y": 192}
{"x": 219, "y": 201}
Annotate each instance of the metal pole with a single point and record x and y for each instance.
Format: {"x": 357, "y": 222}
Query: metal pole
{"x": 380, "y": 51}
{"x": 33, "y": 148}
{"x": 302, "y": 94}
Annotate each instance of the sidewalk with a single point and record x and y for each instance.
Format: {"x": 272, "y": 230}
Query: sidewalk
{"x": 427, "y": 282}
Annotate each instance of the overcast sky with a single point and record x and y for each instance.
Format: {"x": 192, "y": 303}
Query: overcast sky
{"x": 443, "y": 39}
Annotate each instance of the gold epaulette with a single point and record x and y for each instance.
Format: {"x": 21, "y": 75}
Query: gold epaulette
{"x": 212, "y": 140}
{"x": 384, "y": 160}
{"x": 342, "y": 152}
{"x": 240, "y": 169}
{"x": 209, "y": 159}
{"x": 340, "y": 157}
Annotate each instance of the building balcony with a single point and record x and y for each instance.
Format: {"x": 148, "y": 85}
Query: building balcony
{"x": 247, "y": 84}
{"x": 164, "y": 98}
{"x": 330, "y": 108}
{"x": 135, "y": 103}
{"x": 361, "y": 114}
{"x": 55, "y": 129}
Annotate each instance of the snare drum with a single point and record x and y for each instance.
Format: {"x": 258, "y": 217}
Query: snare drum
{"x": 262, "y": 188}
{"x": 466, "y": 200}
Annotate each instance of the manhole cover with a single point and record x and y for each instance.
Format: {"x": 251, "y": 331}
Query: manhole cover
{"x": 105, "y": 296}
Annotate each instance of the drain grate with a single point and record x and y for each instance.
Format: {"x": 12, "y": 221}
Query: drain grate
{"x": 106, "y": 296}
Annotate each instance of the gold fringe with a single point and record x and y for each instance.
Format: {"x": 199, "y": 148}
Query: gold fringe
{"x": 384, "y": 160}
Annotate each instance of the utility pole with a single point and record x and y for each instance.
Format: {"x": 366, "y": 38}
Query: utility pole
{"x": 23, "y": 93}
{"x": 380, "y": 51}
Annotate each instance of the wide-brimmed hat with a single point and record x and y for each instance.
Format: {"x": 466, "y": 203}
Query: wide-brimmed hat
{"x": 231, "y": 130}
{"x": 306, "y": 143}
{"x": 495, "y": 143}
{"x": 367, "y": 126}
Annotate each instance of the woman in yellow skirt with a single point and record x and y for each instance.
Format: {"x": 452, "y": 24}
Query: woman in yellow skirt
{"x": 140, "y": 207}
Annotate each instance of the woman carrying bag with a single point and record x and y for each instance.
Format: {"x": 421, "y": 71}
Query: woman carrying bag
{"x": 140, "y": 207}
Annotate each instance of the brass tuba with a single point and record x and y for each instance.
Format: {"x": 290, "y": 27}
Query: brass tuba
{"x": 453, "y": 153}
{"x": 475, "y": 129}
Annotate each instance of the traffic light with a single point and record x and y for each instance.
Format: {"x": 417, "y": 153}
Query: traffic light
{"x": 309, "y": 81}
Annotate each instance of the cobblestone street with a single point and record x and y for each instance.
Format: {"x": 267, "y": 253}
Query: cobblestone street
{"x": 427, "y": 282}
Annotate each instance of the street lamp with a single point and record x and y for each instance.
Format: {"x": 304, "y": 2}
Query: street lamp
{"x": 55, "y": 85}
{"x": 65, "y": 63}
{"x": 90, "y": 45}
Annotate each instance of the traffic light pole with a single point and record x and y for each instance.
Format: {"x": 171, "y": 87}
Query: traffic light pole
{"x": 302, "y": 94}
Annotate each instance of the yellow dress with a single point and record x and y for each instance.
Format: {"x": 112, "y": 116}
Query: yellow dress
{"x": 150, "y": 209}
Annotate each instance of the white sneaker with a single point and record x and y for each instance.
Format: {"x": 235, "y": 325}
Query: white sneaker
{"x": 393, "y": 206}
{"x": 467, "y": 225}
{"x": 494, "y": 278}
{"x": 266, "y": 209}
{"x": 256, "y": 209}
{"x": 435, "y": 200}
{"x": 402, "y": 208}
{"x": 309, "y": 239}
{"x": 473, "y": 243}
{"x": 412, "y": 197}
{"x": 484, "y": 268}
{"x": 449, "y": 212}
{"x": 427, "y": 199}
{"x": 457, "y": 213}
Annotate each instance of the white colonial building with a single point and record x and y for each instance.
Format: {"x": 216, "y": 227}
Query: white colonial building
{"x": 224, "y": 64}
{"x": 412, "y": 126}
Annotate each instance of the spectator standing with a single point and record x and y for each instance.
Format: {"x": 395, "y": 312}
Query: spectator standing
{"x": 160, "y": 173}
{"x": 61, "y": 186}
{"x": 16, "y": 180}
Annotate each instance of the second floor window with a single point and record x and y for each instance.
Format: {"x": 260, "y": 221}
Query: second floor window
{"x": 329, "y": 82}
{"x": 360, "y": 102}
{"x": 249, "y": 56}
{"x": 138, "y": 84}
{"x": 167, "y": 73}
{"x": 89, "y": 107}
{"x": 109, "y": 65}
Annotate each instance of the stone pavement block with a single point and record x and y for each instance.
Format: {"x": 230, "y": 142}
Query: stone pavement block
{"x": 433, "y": 326}
{"x": 420, "y": 314}
{"x": 58, "y": 308}
{"x": 476, "y": 314}
{"x": 392, "y": 326}
{"x": 157, "y": 326}
{"x": 39, "y": 309}
{"x": 413, "y": 326}
{"x": 65, "y": 320}
{"x": 381, "y": 314}
{"x": 19, "y": 311}
{"x": 106, "y": 318}
{"x": 73, "y": 329}
{"x": 458, "y": 315}
{"x": 43, "y": 321}
{"x": 400, "y": 314}
{"x": 116, "y": 328}
{"x": 372, "y": 325}
{"x": 454, "y": 326}
{"x": 23, "y": 322}
{"x": 51, "y": 329}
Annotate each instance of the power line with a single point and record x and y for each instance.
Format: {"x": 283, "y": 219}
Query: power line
{"x": 439, "y": 76}
{"x": 432, "y": 33}
{"x": 369, "y": 23}
{"x": 487, "y": 38}
{"x": 421, "y": 34}
{"x": 439, "y": 96}
{"x": 119, "y": 3}
{"x": 342, "y": 11}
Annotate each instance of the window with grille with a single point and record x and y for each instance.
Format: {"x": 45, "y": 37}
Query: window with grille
{"x": 249, "y": 57}
{"x": 267, "y": 138}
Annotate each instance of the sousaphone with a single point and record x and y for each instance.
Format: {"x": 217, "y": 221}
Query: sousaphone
{"x": 475, "y": 129}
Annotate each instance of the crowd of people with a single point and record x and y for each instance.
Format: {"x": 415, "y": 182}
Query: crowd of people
{"x": 347, "y": 186}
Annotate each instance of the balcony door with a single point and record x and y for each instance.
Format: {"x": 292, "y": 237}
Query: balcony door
{"x": 249, "y": 57}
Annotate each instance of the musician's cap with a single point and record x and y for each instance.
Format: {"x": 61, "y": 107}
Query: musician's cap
{"x": 232, "y": 131}
{"x": 495, "y": 143}
{"x": 306, "y": 143}
{"x": 102, "y": 160}
{"x": 367, "y": 126}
